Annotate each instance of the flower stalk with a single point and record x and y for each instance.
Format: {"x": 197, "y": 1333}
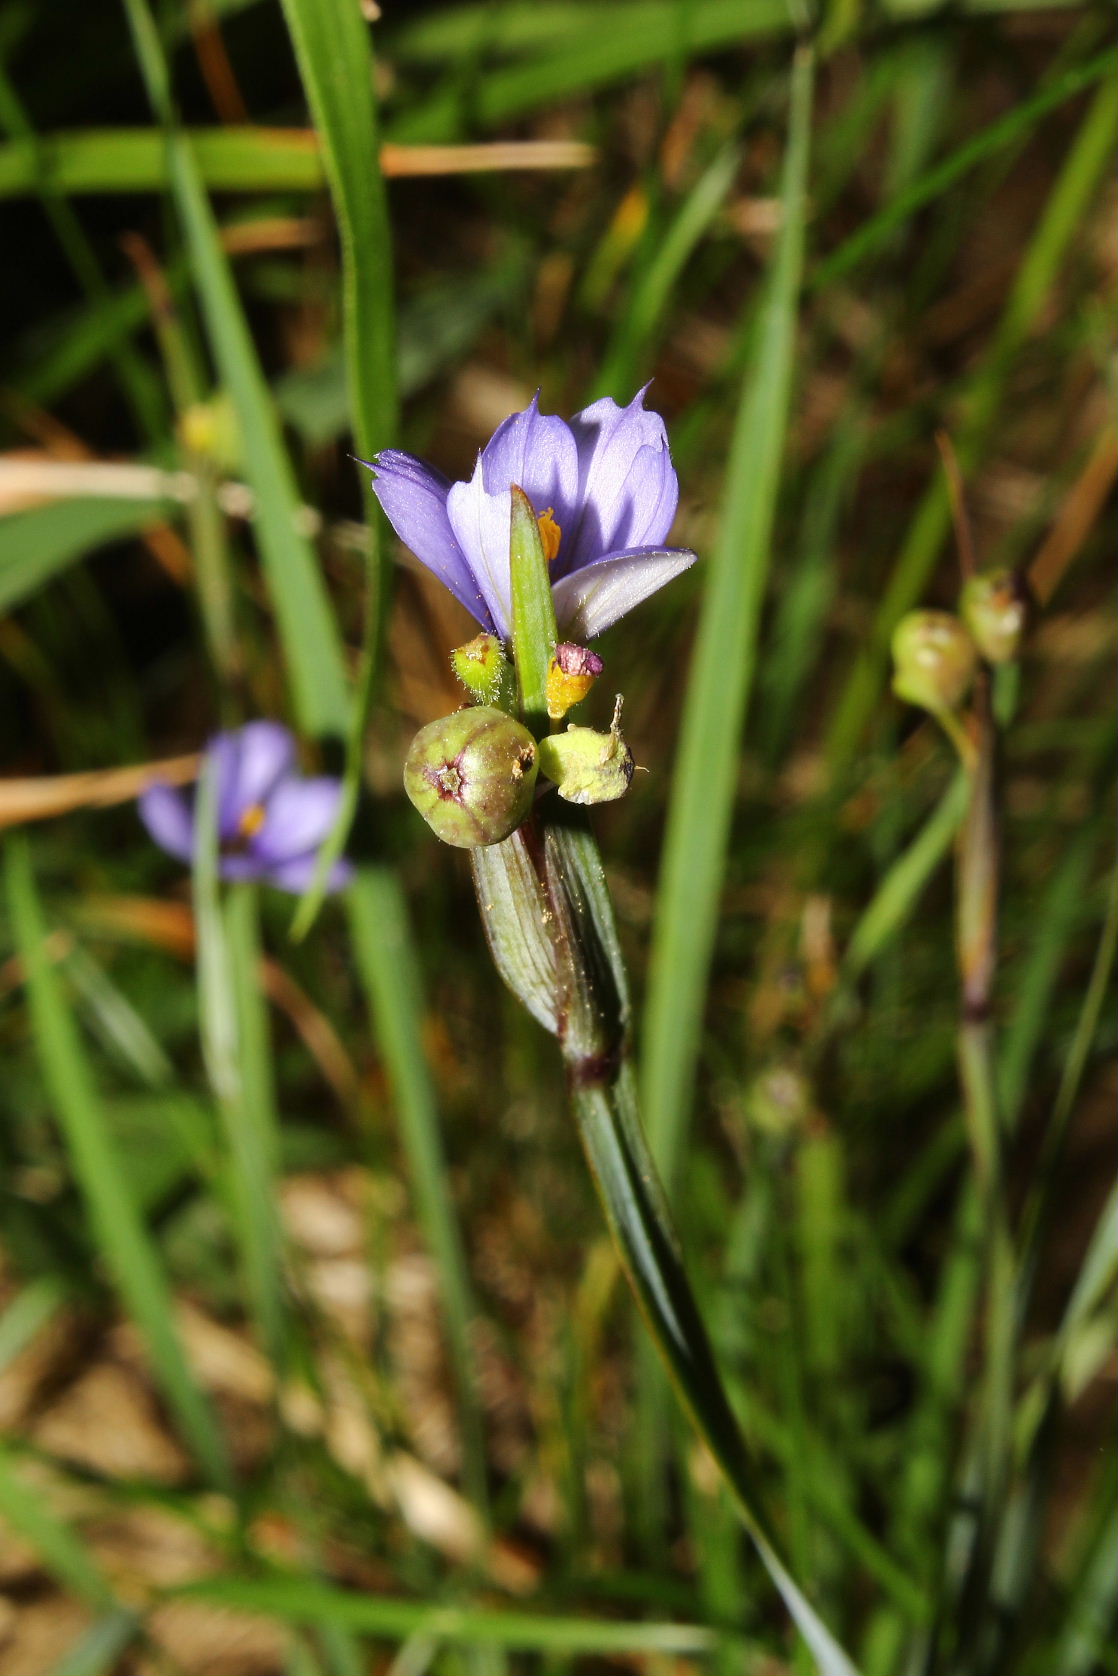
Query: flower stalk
{"x": 549, "y": 922}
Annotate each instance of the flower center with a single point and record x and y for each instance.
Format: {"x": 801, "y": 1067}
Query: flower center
{"x": 550, "y": 534}
{"x": 250, "y": 822}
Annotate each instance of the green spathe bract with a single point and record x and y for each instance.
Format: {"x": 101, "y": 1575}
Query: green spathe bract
{"x": 471, "y": 776}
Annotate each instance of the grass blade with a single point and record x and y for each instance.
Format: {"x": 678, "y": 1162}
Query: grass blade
{"x": 26, "y": 1511}
{"x": 1060, "y": 223}
{"x": 307, "y": 629}
{"x": 129, "y": 1249}
{"x": 705, "y": 778}
{"x": 296, "y": 1601}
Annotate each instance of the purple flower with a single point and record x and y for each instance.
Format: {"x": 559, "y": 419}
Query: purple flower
{"x": 271, "y": 821}
{"x": 603, "y": 488}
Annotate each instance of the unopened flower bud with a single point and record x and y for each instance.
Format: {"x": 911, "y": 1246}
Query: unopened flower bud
{"x": 587, "y": 766}
{"x": 471, "y": 776}
{"x": 934, "y": 660}
{"x": 482, "y": 667}
{"x": 992, "y": 605}
{"x": 570, "y": 676}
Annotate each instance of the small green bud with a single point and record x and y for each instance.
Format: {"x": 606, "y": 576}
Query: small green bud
{"x": 587, "y": 766}
{"x": 472, "y": 775}
{"x": 934, "y": 661}
{"x": 992, "y": 605}
{"x": 482, "y": 668}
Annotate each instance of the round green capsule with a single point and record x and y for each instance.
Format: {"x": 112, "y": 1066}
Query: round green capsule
{"x": 934, "y": 661}
{"x": 472, "y": 776}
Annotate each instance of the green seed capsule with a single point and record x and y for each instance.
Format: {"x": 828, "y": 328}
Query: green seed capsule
{"x": 992, "y": 605}
{"x": 472, "y": 775}
{"x": 933, "y": 661}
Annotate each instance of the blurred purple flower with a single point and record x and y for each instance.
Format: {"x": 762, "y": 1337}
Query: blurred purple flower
{"x": 605, "y": 494}
{"x": 270, "y": 820}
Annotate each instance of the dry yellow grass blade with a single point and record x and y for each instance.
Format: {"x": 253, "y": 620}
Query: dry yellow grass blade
{"x": 42, "y": 797}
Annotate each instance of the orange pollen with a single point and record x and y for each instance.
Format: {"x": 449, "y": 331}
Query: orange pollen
{"x": 251, "y": 821}
{"x": 550, "y": 534}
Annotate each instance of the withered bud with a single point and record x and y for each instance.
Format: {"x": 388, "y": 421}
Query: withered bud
{"x": 472, "y": 775}
{"x": 587, "y": 766}
{"x": 570, "y": 676}
{"x": 482, "y": 668}
{"x": 993, "y": 606}
{"x": 934, "y": 661}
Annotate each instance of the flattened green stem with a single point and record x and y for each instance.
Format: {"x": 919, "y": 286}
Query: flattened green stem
{"x": 550, "y": 925}
{"x": 976, "y": 932}
{"x": 533, "y": 612}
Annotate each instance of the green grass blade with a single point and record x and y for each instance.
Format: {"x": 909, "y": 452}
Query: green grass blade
{"x": 1061, "y": 222}
{"x": 936, "y": 181}
{"x": 96, "y": 160}
{"x": 27, "y": 1314}
{"x": 307, "y": 629}
{"x": 295, "y": 1601}
{"x": 640, "y": 319}
{"x": 632, "y": 1198}
{"x": 98, "y": 1651}
{"x": 705, "y": 779}
{"x": 129, "y": 1249}
{"x": 332, "y": 44}
{"x": 25, "y": 1510}
{"x": 389, "y": 973}
{"x": 39, "y": 544}
{"x": 234, "y": 1028}
{"x": 339, "y": 88}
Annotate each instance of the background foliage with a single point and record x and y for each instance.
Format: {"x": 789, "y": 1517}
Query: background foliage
{"x": 313, "y": 1353}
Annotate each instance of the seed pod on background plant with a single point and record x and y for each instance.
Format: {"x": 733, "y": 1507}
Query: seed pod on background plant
{"x": 992, "y": 605}
{"x": 472, "y": 775}
{"x": 933, "y": 661}
{"x": 482, "y": 668}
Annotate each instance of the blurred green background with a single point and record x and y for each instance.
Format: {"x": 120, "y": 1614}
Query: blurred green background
{"x": 314, "y": 1356}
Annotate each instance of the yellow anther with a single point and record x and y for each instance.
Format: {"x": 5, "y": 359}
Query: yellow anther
{"x": 251, "y": 821}
{"x": 550, "y": 534}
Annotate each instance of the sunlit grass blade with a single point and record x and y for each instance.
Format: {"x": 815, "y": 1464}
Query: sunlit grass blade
{"x": 294, "y": 1600}
{"x": 129, "y": 1249}
{"x": 706, "y": 774}
{"x": 1060, "y": 223}
{"x": 332, "y": 44}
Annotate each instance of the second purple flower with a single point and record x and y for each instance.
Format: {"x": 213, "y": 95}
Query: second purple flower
{"x": 604, "y": 491}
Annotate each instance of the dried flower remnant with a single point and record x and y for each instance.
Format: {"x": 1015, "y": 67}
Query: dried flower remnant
{"x": 571, "y": 675}
{"x": 271, "y": 820}
{"x": 604, "y": 492}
